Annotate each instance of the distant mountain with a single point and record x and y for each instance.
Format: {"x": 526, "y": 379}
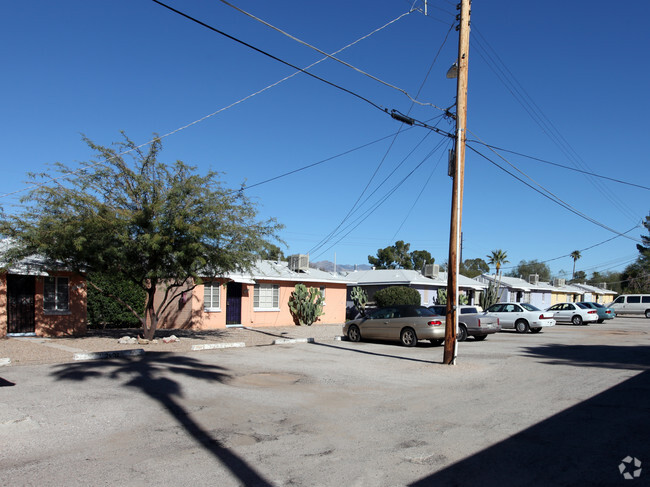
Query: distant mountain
{"x": 326, "y": 265}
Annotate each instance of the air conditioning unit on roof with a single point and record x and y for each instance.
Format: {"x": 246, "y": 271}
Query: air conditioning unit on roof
{"x": 533, "y": 279}
{"x": 299, "y": 262}
{"x": 557, "y": 282}
{"x": 431, "y": 270}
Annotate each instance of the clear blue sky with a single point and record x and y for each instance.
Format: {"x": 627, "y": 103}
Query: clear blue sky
{"x": 98, "y": 67}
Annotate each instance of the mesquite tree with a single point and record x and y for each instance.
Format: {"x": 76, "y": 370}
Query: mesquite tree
{"x": 161, "y": 226}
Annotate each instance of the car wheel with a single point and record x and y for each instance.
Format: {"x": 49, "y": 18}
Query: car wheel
{"x": 577, "y": 320}
{"x": 521, "y": 326}
{"x": 461, "y": 336}
{"x": 436, "y": 343}
{"x": 408, "y": 337}
{"x": 647, "y": 313}
{"x": 601, "y": 321}
{"x": 480, "y": 338}
{"x": 535, "y": 330}
{"x": 354, "y": 334}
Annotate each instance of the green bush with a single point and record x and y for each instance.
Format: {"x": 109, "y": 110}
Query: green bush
{"x": 106, "y": 312}
{"x": 397, "y": 295}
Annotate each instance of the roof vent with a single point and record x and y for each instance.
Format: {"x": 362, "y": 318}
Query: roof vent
{"x": 299, "y": 262}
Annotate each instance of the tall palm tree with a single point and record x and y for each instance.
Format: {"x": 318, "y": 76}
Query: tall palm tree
{"x": 497, "y": 258}
{"x": 575, "y": 255}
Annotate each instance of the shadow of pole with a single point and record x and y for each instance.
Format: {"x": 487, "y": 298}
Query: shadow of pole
{"x": 147, "y": 377}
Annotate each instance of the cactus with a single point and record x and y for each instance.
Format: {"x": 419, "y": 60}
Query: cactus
{"x": 442, "y": 296}
{"x": 306, "y": 304}
{"x": 360, "y": 299}
{"x": 489, "y": 296}
{"x": 462, "y": 299}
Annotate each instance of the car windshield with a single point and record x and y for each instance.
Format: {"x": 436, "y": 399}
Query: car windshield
{"x": 529, "y": 307}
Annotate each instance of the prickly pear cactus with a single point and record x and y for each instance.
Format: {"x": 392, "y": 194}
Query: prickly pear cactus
{"x": 360, "y": 299}
{"x": 306, "y": 304}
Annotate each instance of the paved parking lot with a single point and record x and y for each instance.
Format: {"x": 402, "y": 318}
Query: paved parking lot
{"x": 563, "y": 407}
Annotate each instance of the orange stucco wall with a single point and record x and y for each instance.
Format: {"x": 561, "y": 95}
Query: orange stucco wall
{"x": 74, "y": 322}
{"x": 189, "y": 313}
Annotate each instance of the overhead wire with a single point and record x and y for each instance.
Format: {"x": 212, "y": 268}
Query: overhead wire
{"x": 538, "y": 116}
{"x": 547, "y": 194}
{"x": 561, "y": 165}
{"x": 330, "y": 56}
{"x": 324, "y": 240}
{"x": 33, "y": 186}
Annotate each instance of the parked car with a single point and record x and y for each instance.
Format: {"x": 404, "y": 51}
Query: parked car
{"x": 632, "y": 304}
{"x": 439, "y": 309}
{"x": 521, "y": 317}
{"x": 604, "y": 313}
{"x": 575, "y": 313}
{"x": 406, "y": 324}
{"x": 473, "y": 321}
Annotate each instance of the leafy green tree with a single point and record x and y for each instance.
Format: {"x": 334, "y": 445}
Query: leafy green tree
{"x": 575, "y": 255}
{"x": 160, "y": 226}
{"x": 579, "y": 276}
{"x": 636, "y": 276}
{"x": 271, "y": 252}
{"x": 106, "y": 312}
{"x": 397, "y": 295}
{"x": 529, "y": 267}
{"x": 398, "y": 257}
{"x": 474, "y": 267}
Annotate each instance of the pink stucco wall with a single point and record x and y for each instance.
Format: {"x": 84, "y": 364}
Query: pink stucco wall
{"x": 191, "y": 315}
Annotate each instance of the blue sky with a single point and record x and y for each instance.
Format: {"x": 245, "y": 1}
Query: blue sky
{"x": 579, "y": 69}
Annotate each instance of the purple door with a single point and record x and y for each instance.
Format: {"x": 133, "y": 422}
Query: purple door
{"x": 233, "y": 303}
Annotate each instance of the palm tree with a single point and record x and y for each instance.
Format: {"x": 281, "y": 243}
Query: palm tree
{"x": 575, "y": 255}
{"x": 497, "y": 258}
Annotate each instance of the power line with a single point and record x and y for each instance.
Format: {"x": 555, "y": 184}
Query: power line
{"x": 560, "y": 165}
{"x": 275, "y": 58}
{"x": 547, "y": 194}
{"x": 199, "y": 120}
{"x": 332, "y": 57}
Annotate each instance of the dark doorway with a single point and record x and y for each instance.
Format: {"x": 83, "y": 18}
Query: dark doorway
{"x": 233, "y": 303}
{"x": 20, "y": 304}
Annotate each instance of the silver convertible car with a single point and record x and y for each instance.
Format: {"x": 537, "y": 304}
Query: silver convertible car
{"x": 406, "y": 324}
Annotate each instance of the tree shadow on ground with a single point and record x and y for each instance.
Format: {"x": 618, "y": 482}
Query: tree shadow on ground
{"x": 152, "y": 375}
{"x": 582, "y": 445}
{"x": 367, "y": 352}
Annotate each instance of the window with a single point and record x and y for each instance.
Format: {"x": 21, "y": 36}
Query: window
{"x": 620, "y": 299}
{"x": 55, "y": 294}
{"x": 266, "y": 297}
{"x": 634, "y": 299}
{"x": 322, "y": 291}
{"x": 212, "y": 296}
{"x": 645, "y": 299}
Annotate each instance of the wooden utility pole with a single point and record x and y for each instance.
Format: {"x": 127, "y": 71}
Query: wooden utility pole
{"x": 453, "y": 263}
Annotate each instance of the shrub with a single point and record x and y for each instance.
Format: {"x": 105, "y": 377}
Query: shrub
{"x": 105, "y": 312}
{"x": 397, "y": 295}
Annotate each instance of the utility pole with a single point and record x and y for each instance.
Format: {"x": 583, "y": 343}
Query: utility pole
{"x": 451, "y": 345}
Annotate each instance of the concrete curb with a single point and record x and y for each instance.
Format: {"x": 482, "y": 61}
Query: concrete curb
{"x": 5, "y": 361}
{"x": 214, "y": 346}
{"x": 281, "y": 341}
{"x": 136, "y": 352}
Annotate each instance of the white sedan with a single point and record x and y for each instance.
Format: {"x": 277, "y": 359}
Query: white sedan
{"x": 575, "y": 313}
{"x": 521, "y": 316}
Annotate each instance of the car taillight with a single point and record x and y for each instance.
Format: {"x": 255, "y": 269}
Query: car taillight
{"x": 479, "y": 322}
{"x": 593, "y": 311}
{"x": 608, "y": 312}
{"x": 434, "y": 323}
{"x": 542, "y": 317}
{"x": 498, "y": 322}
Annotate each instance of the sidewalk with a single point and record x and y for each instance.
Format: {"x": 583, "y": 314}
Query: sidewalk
{"x": 37, "y": 350}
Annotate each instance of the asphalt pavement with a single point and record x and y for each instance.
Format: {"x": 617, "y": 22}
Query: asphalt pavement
{"x": 569, "y": 406}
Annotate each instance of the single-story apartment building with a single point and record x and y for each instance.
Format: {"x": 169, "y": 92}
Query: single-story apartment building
{"x": 518, "y": 290}
{"x": 428, "y": 285}
{"x": 36, "y": 299}
{"x": 259, "y": 297}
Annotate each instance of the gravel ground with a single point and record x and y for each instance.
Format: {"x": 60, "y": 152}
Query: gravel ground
{"x": 37, "y": 350}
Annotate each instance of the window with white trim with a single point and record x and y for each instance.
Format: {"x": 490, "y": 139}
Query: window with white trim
{"x": 322, "y": 291}
{"x": 266, "y": 297}
{"x": 212, "y": 296}
{"x": 56, "y": 297}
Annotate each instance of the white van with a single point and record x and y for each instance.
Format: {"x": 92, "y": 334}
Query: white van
{"x": 627, "y": 304}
